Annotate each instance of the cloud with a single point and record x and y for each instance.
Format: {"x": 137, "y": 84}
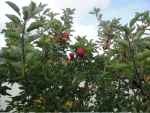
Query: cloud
{"x": 82, "y": 8}
{"x": 80, "y": 5}
{"x": 85, "y": 30}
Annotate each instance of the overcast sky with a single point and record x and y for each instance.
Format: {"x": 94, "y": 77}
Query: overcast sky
{"x": 84, "y": 24}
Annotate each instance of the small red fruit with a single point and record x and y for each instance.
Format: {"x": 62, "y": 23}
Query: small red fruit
{"x": 71, "y": 56}
{"x": 80, "y": 52}
{"x": 65, "y": 36}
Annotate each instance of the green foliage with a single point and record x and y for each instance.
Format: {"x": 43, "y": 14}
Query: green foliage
{"x": 36, "y": 58}
{"x": 14, "y": 7}
{"x": 67, "y": 18}
{"x": 34, "y": 25}
{"x": 14, "y": 18}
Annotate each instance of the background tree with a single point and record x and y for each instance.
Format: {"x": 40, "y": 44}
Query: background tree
{"x": 36, "y": 58}
{"x": 123, "y": 45}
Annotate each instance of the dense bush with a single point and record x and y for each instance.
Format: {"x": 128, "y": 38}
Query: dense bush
{"x": 35, "y": 57}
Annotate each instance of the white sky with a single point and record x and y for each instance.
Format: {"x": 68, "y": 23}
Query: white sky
{"x": 82, "y": 7}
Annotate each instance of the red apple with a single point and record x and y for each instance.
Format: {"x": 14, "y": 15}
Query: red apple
{"x": 71, "y": 56}
{"x": 65, "y": 36}
{"x": 80, "y": 52}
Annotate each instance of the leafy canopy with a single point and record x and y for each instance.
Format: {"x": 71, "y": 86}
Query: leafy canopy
{"x": 36, "y": 58}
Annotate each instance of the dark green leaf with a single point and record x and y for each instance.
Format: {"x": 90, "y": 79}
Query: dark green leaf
{"x": 25, "y": 13}
{"x": 13, "y": 18}
{"x": 34, "y": 25}
{"x": 134, "y": 20}
{"x": 14, "y": 6}
{"x": 12, "y": 34}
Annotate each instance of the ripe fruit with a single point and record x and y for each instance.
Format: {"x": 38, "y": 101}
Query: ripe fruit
{"x": 62, "y": 38}
{"x": 65, "y": 36}
{"x": 80, "y": 52}
{"x": 71, "y": 56}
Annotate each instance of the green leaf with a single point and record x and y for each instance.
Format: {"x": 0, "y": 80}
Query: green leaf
{"x": 56, "y": 25}
{"x": 143, "y": 55}
{"x": 123, "y": 43}
{"x": 38, "y": 9}
{"x": 118, "y": 66}
{"x": 139, "y": 34}
{"x": 12, "y": 34}
{"x": 32, "y": 10}
{"x": 32, "y": 6}
{"x": 146, "y": 14}
{"x": 34, "y": 25}
{"x": 13, "y": 18}
{"x": 13, "y": 6}
{"x": 25, "y": 13}
{"x": 46, "y": 11}
{"x": 133, "y": 21}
